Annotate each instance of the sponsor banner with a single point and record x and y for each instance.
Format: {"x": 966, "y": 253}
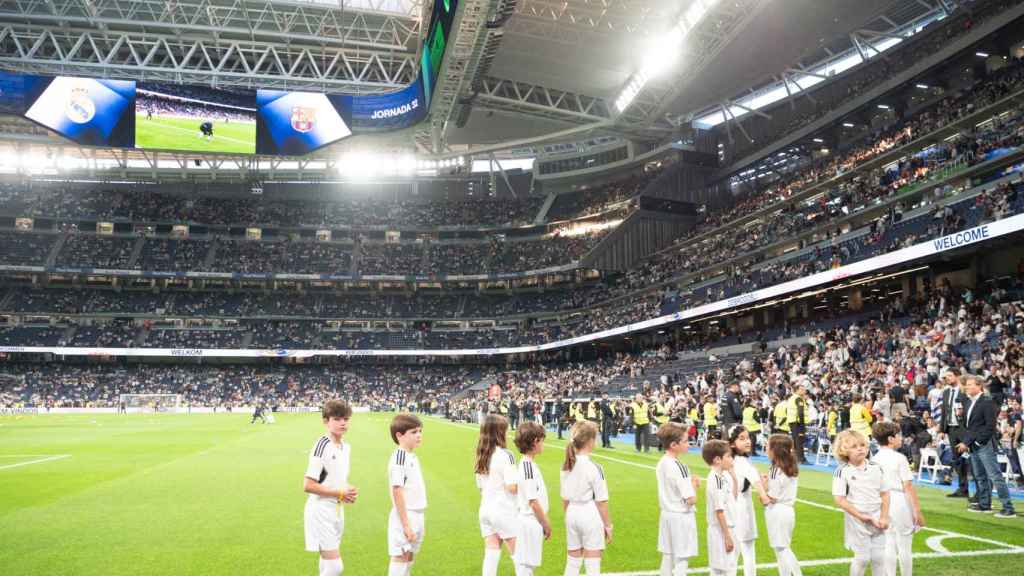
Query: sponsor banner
{"x": 909, "y": 254}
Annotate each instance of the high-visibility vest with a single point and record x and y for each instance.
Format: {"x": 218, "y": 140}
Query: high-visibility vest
{"x": 833, "y": 420}
{"x": 780, "y": 416}
{"x": 860, "y": 419}
{"x": 710, "y": 414}
{"x": 660, "y": 413}
{"x": 640, "y": 413}
{"x": 592, "y": 411}
{"x": 750, "y": 419}
{"x": 793, "y": 411}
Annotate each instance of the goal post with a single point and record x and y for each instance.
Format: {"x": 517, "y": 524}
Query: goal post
{"x": 151, "y": 402}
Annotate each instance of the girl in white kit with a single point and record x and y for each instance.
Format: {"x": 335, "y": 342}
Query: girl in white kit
{"x": 496, "y": 479}
{"x": 779, "y": 516}
{"x": 532, "y": 497}
{"x": 584, "y": 494}
{"x": 904, "y": 507}
{"x": 748, "y": 481}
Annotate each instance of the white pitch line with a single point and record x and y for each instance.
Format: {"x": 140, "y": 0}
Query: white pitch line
{"x": 37, "y": 461}
{"x": 935, "y": 543}
{"x": 839, "y": 561}
{"x": 946, "y": 533}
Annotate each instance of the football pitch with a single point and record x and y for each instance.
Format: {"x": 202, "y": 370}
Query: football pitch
{"x": 213, "y": 494}
{"x": 166, "y": 133}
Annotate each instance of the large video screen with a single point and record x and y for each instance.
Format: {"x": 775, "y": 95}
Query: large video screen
{"x": 195, "y": 118}
{"x": 88, "y": 111}
{"x": 295, "y": 123}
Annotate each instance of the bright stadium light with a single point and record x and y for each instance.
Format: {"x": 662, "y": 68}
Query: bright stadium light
{"x": 981, "y": 54}
{"x": 662, "y": 53}
{"x": 848, "y": 124}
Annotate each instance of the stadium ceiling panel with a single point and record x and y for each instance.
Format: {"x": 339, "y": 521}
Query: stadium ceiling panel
{"x": 226, "y": 42}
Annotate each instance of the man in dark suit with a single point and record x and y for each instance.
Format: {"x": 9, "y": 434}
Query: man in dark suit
{"x": 979, "y": 439}
{"x": 951, "y": 424}
{"x": 606, "y": 412}
{"x": 732, "y": 408}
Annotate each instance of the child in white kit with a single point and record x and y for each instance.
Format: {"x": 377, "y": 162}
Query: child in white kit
{"x": 779, "y": 516}
{"x": 408, "y": 495}
{"x": 860, "y": 489}
{"x": 721, "y": 508}
{"x": 748, "y": 481}
{"x": 326, "y": 482}
{"x": 496, "y": 479}
{"x": 532, "y": 499}
{"x": 905, "y": 508}
{"x": 584, "y": 494}
{"x": 677, "y": 498}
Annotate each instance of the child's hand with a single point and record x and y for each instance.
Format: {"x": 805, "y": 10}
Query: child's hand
{"x": 764, "y": 479}
{"x": 696, "y": 482}
{"x": 608, "y": 533}
{"x": 349, "y": 495}
{"x": 547, "y": 530}
{"x": 919, "y": 520}
{"x": 410, "y": 534}
{"x": 729, "y": 546}
{"x": 883, "y": 524}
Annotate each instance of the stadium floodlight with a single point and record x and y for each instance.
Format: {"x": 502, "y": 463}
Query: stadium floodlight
{"x": 818, "y": 140}
{"x": 981, "y": 54}
{"x": 883, "y": 106}
{"x": 662, "y": 53}
{"x": 406, "y": 164}
{"x": 848, "y": 124}
{"x": 922, "y": 86}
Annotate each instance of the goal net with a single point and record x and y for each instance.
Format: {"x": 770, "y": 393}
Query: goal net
{"x": 151, "y": 402}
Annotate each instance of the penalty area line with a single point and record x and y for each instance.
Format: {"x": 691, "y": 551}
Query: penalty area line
{"x": 36, "y": 461}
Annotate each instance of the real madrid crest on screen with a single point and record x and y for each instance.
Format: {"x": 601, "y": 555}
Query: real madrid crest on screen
{"x": 303, "y": 118}
{"x": 80, "y": 107}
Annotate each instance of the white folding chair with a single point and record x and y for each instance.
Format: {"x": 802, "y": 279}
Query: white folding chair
{"x": 930, "y": 462}
{"x": 825, "y": 455}
{"x": 1003, "y": 461}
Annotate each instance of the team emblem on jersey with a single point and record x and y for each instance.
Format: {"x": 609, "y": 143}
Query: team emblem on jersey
{"x": 303, "y": 118}
{"x": 80, "y": 108}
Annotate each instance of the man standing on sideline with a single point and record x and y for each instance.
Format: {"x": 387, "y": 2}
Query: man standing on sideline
{"x": 641, "y": 423}
{"x": 732, "y": 408}
{"x": 951, "y": 425}
{"x": 607, "y": 414}
{"x": 979, "y": 438}
{"x": 797, "y": 417}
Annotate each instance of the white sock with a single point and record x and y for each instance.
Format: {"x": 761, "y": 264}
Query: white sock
{"x": 408, "y": 568}
{"x": 788, "y": 564}
{"x": 666, "y": 565}
{"x": 860, "y": 565}
{"x": 524, "y": 570}
{"x": 681, "y": 566}
{"x": 906, "y": 555}
{"x": 491, "y": 558}
{"x": 331, "y": 567}
{"x": 572, "y": 566}
{"x": 593, "y": 566}
{"x": 397, "y": 568}
{"x": 749, "y": 559}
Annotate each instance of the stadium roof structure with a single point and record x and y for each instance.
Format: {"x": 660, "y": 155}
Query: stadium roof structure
{"x": 518, "y": 73}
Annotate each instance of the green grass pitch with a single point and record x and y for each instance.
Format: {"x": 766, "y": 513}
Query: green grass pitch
{"x": 212, "y": 494}
{"x": 164, "y": 133}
